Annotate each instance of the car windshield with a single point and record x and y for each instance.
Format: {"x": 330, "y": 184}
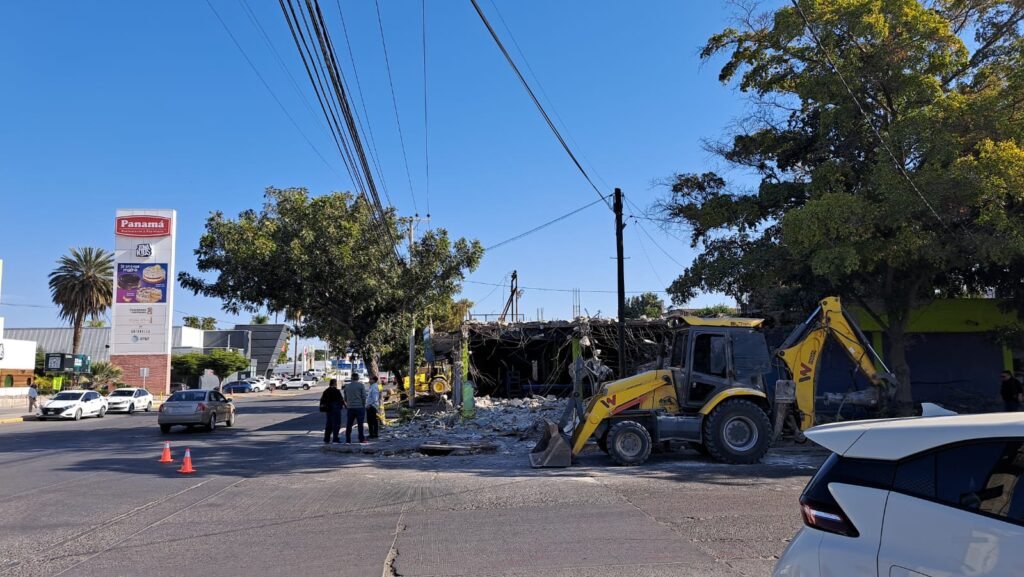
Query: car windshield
{"x": 67, "y": 396}
{"x": 122, "y": 393}
{"x": 187, "y": 396}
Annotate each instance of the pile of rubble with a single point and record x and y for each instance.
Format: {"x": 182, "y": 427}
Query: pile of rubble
{"x": 499, "y": 426}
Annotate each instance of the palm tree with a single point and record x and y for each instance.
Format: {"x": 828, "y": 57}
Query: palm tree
{"x": 104, "y": 373}
{"x": 260, "y": 319}
{"x": 82, "y": 286}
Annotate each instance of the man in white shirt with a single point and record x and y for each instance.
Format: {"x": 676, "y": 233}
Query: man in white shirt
{"x": 373, "y": 407}
{"x": 33, "y": 394}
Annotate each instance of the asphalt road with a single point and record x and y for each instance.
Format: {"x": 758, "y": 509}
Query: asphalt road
{"x": 88, "y": 498}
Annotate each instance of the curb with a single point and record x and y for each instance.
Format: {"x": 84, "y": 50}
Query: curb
{"x": 11, "y": 420}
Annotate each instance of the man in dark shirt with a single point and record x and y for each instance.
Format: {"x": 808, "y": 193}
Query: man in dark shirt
{"x": 331, "y": 403}
{"x": 1011, "y": 391}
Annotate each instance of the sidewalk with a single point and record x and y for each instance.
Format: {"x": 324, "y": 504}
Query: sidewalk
{"x": 15, "y": 415}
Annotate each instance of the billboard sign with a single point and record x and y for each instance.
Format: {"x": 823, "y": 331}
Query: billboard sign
{"x": 144, "y": 282}
{"x": 142, "y": 225}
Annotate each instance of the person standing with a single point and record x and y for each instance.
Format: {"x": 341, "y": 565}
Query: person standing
{"x": 355, "y": 400}
{"x": 331, "y": 403}
{"x": 33, "y": 396}
{"x": 373, "y": 407}
{"x": 1011, "y": 392}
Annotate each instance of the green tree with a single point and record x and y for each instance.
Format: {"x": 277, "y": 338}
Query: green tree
{"x": 719, "y": 310}
{"x": 903, "y": 191}
{"x": 188, "y": 364}
{"x": 106, "y": 374}
{"x": 82, "y": 286}
{"x": 332, "y": 258}
{"x": 40, "y": 369}
{"x": 644, "y": 305}
{"x": 96, "y": 323}
{"x": 260, "y": 319}
{"x": 202, "y": 323}
{"x": 224, "y": 362}
{"x": 448, "y": 315}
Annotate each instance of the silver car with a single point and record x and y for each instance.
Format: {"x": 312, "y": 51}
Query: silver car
{"x": 196, "y": 407}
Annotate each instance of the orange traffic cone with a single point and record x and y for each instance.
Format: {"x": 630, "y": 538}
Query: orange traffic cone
{"x": 186, "y": 465}
{"x": 166, "y": 456}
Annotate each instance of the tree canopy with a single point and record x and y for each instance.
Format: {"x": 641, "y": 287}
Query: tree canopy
{"x": 203, "y": 323}
{"x": 647, "y": 305}
{"x": 883, "y": 140}
{"x": 329, "y": 257}
{"x": 82, "y": 286}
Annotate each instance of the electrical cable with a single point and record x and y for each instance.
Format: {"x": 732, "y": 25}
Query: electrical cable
{"x": 394, "y": 103}
{"x": 540, "y": 88}
{"x": 644, "y": 230}
{"x": 545, "y": 225}
{"x": 270, "y": 90}
{"x": 537, "y": 103}
{"x": 648, "y": 256}
{"x": 374, "y": 154}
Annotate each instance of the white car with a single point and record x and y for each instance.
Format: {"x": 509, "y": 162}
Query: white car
{"x": 74, "y": 405}
{"x": 303, "y": 382}
{"x": 258, "y": 385}
{"x": 129, "y": 400}
{"x": 917, "y": 497}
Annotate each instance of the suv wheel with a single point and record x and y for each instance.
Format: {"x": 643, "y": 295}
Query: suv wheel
{"x": 737, "y": 432}
{"x": 629, "y": 443}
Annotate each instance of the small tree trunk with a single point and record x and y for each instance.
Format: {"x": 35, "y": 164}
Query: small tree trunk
{"x": 76, "y": 340}
{"x": 899, "y": 318}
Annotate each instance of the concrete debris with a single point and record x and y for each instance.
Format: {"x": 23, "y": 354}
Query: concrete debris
{"x": 500, "y": 426}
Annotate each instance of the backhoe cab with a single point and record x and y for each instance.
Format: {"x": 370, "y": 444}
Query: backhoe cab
{"x": 708, "y": 391}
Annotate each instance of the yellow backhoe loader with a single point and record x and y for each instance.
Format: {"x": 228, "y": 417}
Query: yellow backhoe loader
{"x": 709, "y": 391}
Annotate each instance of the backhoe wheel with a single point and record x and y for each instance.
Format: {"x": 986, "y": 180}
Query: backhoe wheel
{"x": 737, "y": 432}
{"x": 629, "y": 443}
{"x": 602, "y": 443}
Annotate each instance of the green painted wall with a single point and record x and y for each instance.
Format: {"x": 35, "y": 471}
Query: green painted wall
{"x": 947, "y": 316}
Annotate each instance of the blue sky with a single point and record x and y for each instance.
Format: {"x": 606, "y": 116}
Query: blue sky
{"x": 130, "y": 104}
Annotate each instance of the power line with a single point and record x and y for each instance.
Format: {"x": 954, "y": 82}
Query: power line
{"x": 867, "y": 118}
{"x": 394, "y": 103}
{"x": 269, "y": 89}
{"x": 537, "y": 103}
{"x": 375, "y": 155}
{"x": 547, "y": 289}
{"x": 350, "y": 143}
{"x": 644, "y": 230}
{"x": 540, "y": 88}
{"x": 648, "y": 257}
{"x": 545, "y": 225}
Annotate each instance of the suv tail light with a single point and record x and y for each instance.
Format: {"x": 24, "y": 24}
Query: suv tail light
{"x": 830, "y": 518}
{"x": 820, "y": 509}
{"x": 201, "y": 408}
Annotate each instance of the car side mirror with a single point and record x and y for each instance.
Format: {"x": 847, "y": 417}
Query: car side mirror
{"x": 230, "y": 400}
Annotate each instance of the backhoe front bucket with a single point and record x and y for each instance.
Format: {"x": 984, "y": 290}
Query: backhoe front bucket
{"x": 553, "y": 449}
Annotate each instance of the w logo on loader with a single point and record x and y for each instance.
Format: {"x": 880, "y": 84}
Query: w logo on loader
{"x": 805, "y": 372}
{"x": 608, "y": 402}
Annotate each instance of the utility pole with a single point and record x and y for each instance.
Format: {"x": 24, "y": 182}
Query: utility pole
{"x": 412, "y": 332}
{"x": 622, "y": 282}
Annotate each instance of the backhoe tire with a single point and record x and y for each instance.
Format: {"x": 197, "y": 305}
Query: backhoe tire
{"x": 737, "y": 432}
{"x": 629, "y": 443}
{"x": 602, "y": 443}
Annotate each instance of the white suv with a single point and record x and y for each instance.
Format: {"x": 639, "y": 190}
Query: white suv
{"x": 918, "y": 497}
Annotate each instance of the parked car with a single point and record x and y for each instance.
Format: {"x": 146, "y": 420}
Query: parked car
{"x": 196, "y": 407}
{"x": 915, "y": 497}
{"x": 303, "y": 382}
{"x": 259, "y": 384}
{"x": 238, "y": 387}
{"x": 129, "y": 400}
{"x": 74, "y": 405}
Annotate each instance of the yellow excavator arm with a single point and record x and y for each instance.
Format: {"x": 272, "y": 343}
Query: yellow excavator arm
{"x": 801, "y": 353}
